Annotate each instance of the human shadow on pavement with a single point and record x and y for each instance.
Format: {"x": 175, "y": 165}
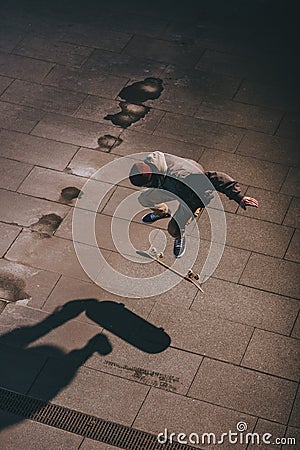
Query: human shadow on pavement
{"x": 44, "y": 370}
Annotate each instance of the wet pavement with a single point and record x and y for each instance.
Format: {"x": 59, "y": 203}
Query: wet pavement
{"x": 83, "y": 84}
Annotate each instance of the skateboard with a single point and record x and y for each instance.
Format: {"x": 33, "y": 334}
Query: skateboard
{"x": 190, "y": 276}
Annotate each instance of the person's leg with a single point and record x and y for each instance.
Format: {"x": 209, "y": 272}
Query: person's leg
{"x": 176, "y": 229}
{"x": 155, "y": 200}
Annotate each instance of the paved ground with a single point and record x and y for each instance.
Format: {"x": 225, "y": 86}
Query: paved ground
{"x": 231, "y": 102}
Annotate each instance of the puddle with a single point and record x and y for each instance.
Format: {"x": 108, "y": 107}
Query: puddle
{"x": 47, "y": 225}
{"x": 69, "y": 193}
{"x": 12, "y": 288}
{"x": 108, "y": 142}
{"x": 129, "y": 114}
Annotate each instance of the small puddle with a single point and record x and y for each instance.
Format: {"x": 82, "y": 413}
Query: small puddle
{"x": 47, "y": 225}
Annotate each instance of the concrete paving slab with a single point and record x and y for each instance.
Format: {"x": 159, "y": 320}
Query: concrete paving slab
{"x": 244, "y": 390}
{"x": 188, "y": 416}
{"x": 87, "y": 161}
{"x": 35, "y": 436}
{"x": 293, "y": 252}
{"x": 247, "y": 170}
{"x": 121, "y": 404}
{"x": 25, "y": 285}
{"x": 289, "y": 127}
{"x": 35, "y": 150}
{"x": 265, "y": 426}
{"x": 202, "y": 333}
{"x": 29, "y": 69}
{"x": 274, "y": 354}
{"x": 195, "y": 131}
{"x": 270, "y": 148}
{"x": 292, "y": 218}
{"x": 45, "y": 98}
{"x": 246, "y": 305}
{"x": 12, "y": 173}
{"x": 8, "y": 234}
{"x": 18, "y": 118}
{"x": 89, "y": 444}
{"x": 4, "y": 83}
{"x": 296, "y": 329}
{"x": 272, "y": 274}
{"x": 72, "y": 130}
{"x": 240, "y": 115}
{"x": 292, "y": 438}
{"x": 294, "y": 418}
{"x": 10, "y": 37}
{"x": 96, "y": 108}
{"x": 52, "y": 50}
{"x": 292, "y": 182}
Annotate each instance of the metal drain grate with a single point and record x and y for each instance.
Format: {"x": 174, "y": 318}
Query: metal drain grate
{"x": 83, "y": 424}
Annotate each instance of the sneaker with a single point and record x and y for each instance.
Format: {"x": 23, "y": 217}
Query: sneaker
{"x": 153, "y": 217}
{"x": 179, "y": 246}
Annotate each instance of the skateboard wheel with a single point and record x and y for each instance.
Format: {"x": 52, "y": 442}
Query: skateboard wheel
{"x": 197, "y": 276}
{"x": 153, "y": 251}
{"x": 161, "y": 255}
{"x": 190, "y": 274}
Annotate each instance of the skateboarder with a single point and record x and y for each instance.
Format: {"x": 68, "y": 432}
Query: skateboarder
{"x": 165, "y": 175}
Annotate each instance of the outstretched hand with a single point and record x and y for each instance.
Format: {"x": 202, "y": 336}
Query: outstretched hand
{"x": 248, "y": 201}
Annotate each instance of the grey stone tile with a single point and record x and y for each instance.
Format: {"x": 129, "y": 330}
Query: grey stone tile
{"x": 117, "y": 399}
{"x": 25, "y": 285}
{"x": 292, "y": 218}
{"x": 89, "y": 444}
{"x": 4, "y": 83}
{"x": 272, "y": 274}
{"x": 281, "y": 96}
{"x": 43, "y": 97}
{"x": 292, "y": 183}
{"x": 239, "y": 115}
{"x": 72, "y": 130}
{"x": 289, "y": 127}
{"x": 8, "y": 234}
{"x": 53, "y": 50}
{"x": 27, "y": 210}
{"x": 293, "y": 252}
{"x": 34, "y": 435}
{"x": 18, "y": 118}
{"x": 35, "y": 150}
{"x": 87, "y": 161}
{"x": 270, "y": 148}
{"x": 244, "y": 390}
{"x": 9, "y": 37}
{"x": 296, "y": 329}
{"x": 274, "y": 354}
{"x": 187, "y": 416}
{"x": 294, "y": 419}
{"x": 197, "y": 131}
{"x": 272, "y": 208}
{"x": 30, "y": 249}
{"x": 16, "y": 66}
{"x": 12, "y": 173}
{"x": 250, "y": 171}
{"x": 172, "y": 369}
{"x": 86, "y": 80}
{"x": 124, "y": 65}
{"x": 96, "y": 108}
{"x": 264, "y": 427}
{"x": 292, "y": 438}
{"x": 247, "y": 305}
{"x": 202, "y": 333}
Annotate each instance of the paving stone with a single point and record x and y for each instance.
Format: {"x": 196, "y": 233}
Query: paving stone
{"x": 289, "y": 127}
{"x": 202, "y": 334}
{"x": 25, "y": 285}
{"x": 239, "y": 115}
{"x": 87, "y": 161}
{"x": 89, "y": 444}
{"x": 9, "y": 37}
{"x": 43, "y": 97}
{"x": 293, "y": 252}
{"x": 172, "y": 370}
{"x": 8, "y": 234}
{"x": 274, "y": 354}
{"x": 96, "y": 108}
{"x": 12, "y": 173}
{"x": 16, "y": 66}
{"x": 18, "y": 118}
{"x": 247, "y": 305}
{"x": 244, "y": 390}
{"x": 294, "y": 419}
{"x": 271, "y": 274}
{"x": 264, "y": 427}
{"x": 188, "y": 416}
{"x": 269, "y": 94}
{"x": 124, "y": 65}
{"x": 117, "y": 399}
{"x": 27, "y": 210}
{"x": 250, "y": 171}
{"x": 270, "y": 148}
{"x": 19, "y": 369}
{"x": 35, "y": 150}
{"x": 4, "y": 83}
{"x": 292, "y": 183}
{"x": 292, "y": 438}
{"x": 272, "y": 208}
{"x": 72, "y": 130}
{"x": 292, "y": 218}
{"x": 34, "y": 435}
{"x": 55, "y": 335}
{"x": 296, "y": 329}
{"x": 30, "y": 249}
{"x": 197, "y": 131}
{"x": 40, "y": 47}
{"x": 87, "y": 80}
